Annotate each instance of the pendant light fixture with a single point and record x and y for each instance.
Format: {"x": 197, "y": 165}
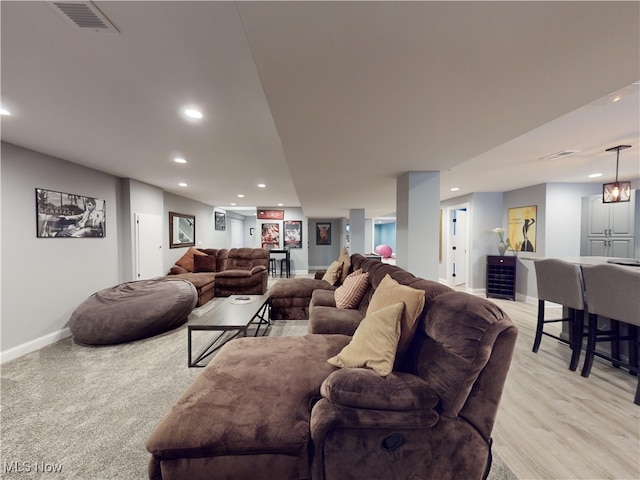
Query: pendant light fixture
{"x": 615, "y": 192}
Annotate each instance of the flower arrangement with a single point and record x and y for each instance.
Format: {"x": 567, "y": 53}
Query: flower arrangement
{"x": 500, "y": 232}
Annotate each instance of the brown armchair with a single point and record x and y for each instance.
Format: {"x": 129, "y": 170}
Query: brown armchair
{"x": 245, "y": 272}
{"x": 433, "y": 416}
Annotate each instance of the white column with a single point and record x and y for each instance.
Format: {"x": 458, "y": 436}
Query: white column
{"x": 356, "y": 230}
{"x": 418, "y": 223}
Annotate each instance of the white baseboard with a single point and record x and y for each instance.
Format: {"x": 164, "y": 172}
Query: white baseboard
{"x": 33, "y": 345}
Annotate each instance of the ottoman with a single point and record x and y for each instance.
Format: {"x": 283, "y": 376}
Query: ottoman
{"x": 290, "y": 297}
{"x": 247, "y": 415}
{"x": 132, "y": 311}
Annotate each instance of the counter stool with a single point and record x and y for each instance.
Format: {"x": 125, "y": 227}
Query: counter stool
{"x": 612, "y": 292}
{"x": 272, "y": 266}
{"x": 561, "y": 282}
{"x": 285, "y": 266}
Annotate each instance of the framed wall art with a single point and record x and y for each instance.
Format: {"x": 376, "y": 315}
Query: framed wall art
{"x": 270, "y": 215}
{"x": 323, "y": 234}
{"x": 270, "y": 236}
{"x": 522, "y": 229}
{"x": 63, "y": 215}
{"x": 293, "y": 234}
{"x": 220, "y": 221}
{"x": 182, "y": 230}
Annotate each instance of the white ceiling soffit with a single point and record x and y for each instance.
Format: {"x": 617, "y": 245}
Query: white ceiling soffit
{"x": 84, "y": 16}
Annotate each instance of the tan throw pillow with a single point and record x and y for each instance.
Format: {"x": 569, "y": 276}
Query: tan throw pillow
{"x": 374, "y": 342}
{"x": 186, "y": 261}
{"x": 349, "y": 294}
{"x": 346, "y": 263}
{"x": 390, "y": 292}
{"x": 332, "y": 275}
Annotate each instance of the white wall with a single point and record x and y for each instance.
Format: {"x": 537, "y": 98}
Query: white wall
{"x": 299, "y": 257}
{"x": 321, "y": 256}
{"x": 206, "y": 234}
{"x": 137, "y": 197}
{"x": 45, "y": 279}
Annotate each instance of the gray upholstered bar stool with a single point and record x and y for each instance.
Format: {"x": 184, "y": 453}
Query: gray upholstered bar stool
{"x": 613, "y": 292}
{"x": 561, "y": 282}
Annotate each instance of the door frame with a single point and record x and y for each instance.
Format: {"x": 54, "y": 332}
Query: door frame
{"x": 447, "y": 256}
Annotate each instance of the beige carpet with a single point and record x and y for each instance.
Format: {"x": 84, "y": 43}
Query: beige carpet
{"x": 70, "y": 411}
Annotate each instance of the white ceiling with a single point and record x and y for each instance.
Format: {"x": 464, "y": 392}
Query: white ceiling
{"x": 327, "y": 103}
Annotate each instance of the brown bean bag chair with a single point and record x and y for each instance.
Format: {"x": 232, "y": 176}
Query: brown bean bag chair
{"x": 132, "y": 311}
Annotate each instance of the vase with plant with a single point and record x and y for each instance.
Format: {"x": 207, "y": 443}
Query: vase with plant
{"x": 502, "y": 246}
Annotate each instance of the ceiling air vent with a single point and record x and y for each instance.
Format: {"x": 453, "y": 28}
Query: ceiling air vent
{"x": 85, "y": 16}
{"x": 561, "y": 154}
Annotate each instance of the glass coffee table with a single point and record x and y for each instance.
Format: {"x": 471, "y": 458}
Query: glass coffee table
{"x": 231, "y": 319}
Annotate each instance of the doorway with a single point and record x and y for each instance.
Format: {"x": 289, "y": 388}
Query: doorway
{"x": 237, "y": 237}
{"x": 458, "y": 246}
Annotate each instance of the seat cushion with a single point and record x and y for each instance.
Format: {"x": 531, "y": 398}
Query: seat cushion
{"x": 334, "y": 320}
{"x": 132, "y": 311}
{"x": 203, "y": 281}
{"x": 254, "y": 397}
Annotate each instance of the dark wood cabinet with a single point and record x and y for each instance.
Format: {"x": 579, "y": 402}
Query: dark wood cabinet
{"x": 501, "y": 277}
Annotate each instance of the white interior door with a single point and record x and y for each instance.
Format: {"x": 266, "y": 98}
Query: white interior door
{"x": 237, "y": 237}
{"x": 148, "y": 246}
{"x": 460, "y": 244}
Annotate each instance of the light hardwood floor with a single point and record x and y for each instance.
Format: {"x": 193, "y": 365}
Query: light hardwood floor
{"x": 553, "y": 423}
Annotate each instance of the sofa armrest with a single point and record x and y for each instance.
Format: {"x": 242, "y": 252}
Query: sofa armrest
{"x": 364, "y": 388}
{"x": 233, "y": 274}
{"x": 258, "y": 268}
{"x": 177, "y": 270}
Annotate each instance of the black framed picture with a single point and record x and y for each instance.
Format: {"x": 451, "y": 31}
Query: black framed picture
{"x": 323, "y": 234}
{"x": 293, "y": 234}
{"x": 220, "y": 221}
{"x": 68, "y": 215}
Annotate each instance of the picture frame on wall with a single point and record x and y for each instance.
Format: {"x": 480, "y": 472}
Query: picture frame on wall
{"x": 67, "y": 215}
{"x": 522, "y": 229}
{"x": 182, "y": 230}
{"x": 270, "y": 215}
{"x": 220, "y": 221}
{"x": 270, "y": 236}
{"x": 323, "y": 233}
{"x": 293, "y": 234}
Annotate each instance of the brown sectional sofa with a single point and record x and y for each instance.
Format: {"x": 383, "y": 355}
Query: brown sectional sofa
{"x": 236, "y": 271}
{"x": 273, "y": 408}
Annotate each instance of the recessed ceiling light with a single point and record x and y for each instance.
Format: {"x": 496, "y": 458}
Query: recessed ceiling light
{"x": 193, "y": 113}
{"x": 261, "y": 185}
{"x": 280, "y": 204}
{"x": 4, "y": 111}
{"x": 455, "y": 189}
{"x": 595, "y": 175}
{"x": 233, "y": 204}
{"x": 179, "y": 160}
{"x": 240, "y": 195}
{"x": 182, "y": 184}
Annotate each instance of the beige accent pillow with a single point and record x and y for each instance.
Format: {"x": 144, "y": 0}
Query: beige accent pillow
{"x": 349, "y": 294}
{"x": 374, "y": 342}
{"x": 186, "y": 261}
{"x": 346, "y": 263}
{"x": 332, "y": 275}
{"x": 390, "y": 292}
